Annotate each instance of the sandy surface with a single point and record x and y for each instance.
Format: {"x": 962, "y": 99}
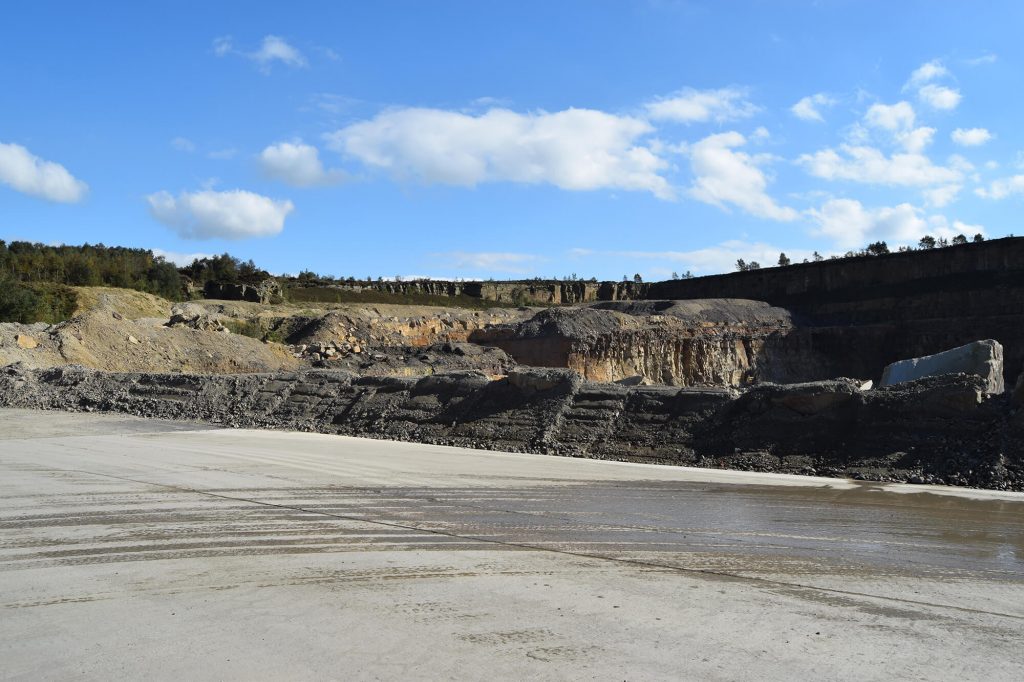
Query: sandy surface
{"x": 135, "y": 548}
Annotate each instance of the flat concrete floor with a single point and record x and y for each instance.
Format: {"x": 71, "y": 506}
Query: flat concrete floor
{"x": 134, "y": 548}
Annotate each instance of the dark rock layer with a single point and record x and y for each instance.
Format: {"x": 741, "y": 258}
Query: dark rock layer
{"x": 940, "y": 429}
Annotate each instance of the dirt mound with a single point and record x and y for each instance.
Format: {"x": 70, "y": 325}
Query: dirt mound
{"x": 131, "y": 304}
{"x": 106, "y": 339}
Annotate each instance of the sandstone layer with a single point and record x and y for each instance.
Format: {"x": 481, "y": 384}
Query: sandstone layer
{"x": 707, "y": 342}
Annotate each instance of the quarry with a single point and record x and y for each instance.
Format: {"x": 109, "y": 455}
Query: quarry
{"x": 777, "y": 370}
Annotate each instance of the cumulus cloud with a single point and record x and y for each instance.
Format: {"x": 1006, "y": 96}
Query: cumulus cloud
{"x": 518, "y": 263}
{"x": 208, "y": 214}
{"x": 942, "y": 196}
{"x": 926, "y": 73}
{"x": 297, "y": 164}
{"x": 849, "y": 224}
{"x": 1002, "y": 188}
{"x": 970, "y": 137}
{"x": 809, "y": 108}
{"x": 724, "y": 176}
{"x": 574, "y": 149}
{"x": 939, "y": 226}
{"x": 869, "y": 165}
{"x": 178, "y": 258}
{"x": 892, "y": 117}
{"x": 934, "y": 95}
{"x": 939, "y": 96}
{"x": 272, "y": 49}
{"x": 699, "y": 106}
{"x": 25, "y": 172}
{"x": 916, "y": 140}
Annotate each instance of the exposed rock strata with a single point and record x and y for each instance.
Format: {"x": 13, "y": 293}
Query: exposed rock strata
{"x": 709, "y": 342}
{"x": 941, "y": 429}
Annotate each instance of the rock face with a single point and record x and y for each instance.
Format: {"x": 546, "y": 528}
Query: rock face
{"x": 194, "y": 316}
{"x": 864, "y": 313}
{"x": 267, "y": 291}
{"x": 710, "y": 342}
{"x": 939, "y": 429}
{"x": 519, "y": 293}
{"x": 25, "y": 341}
{"x": 980, "y": 358}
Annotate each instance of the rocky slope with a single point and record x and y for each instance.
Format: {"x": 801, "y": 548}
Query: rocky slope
{"x": 103, "y": 338}
{"x": 937, "y": 430}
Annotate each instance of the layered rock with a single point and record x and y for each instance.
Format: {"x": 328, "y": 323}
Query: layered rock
{"x": 940, "y": 429}
{"x": 711, "y": 342}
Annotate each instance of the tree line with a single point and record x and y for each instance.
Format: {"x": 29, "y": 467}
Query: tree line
{"x": 879, "y": 248}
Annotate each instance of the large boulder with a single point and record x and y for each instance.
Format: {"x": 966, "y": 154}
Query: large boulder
{"x": 981, "y": 358}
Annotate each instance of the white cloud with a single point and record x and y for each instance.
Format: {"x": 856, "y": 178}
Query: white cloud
{"x": 699, "y": 106}
{"x": 223, "y": 45}
{"x": 917, "y": 140}
{"x": 936, "y": 96}
{"x": 272, "y": 49}
{"x": 870, "y": 166}
{"x": 25, "y": 172}
{"x": 183, "y": 144}
{"x": 942, "y": 196}
{"x": 926, "y": 73}
{"x": 178, "y": 258}
{"x": 891, "y": 117}
{"x": 222, "y": 154}
{"x": 939, "y": 96}
{"x": 724, "y": 176}
{"x": 989, "y": 58}
{"x": 808, "y": 108}
{"x": 939, "y": 226}
{"x": 1002, "y": 188}
{"x": 518, "y": 263}
{"x": 851, "y": 225}
{"x": 719, "y": 258}
{"x": 297, "y": 164}
{"x": 574, "y": 149}
{"x": 207, "y": 214}
{"x": 970, "y": 137}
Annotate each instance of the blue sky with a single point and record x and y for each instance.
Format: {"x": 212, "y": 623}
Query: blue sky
{"x": 478, "y": 139}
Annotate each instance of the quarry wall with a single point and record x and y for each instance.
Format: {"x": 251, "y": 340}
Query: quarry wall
{"x": 938, "y": 430}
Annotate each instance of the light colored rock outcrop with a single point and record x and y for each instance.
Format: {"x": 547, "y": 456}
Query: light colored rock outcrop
{"x": 25, "y": 341}
{"x": 982, "y": 358}
{"x": 708, "y": 342}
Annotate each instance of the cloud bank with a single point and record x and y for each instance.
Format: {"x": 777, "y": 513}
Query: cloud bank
{"x": 207, "y": 214}
{"x": 574, "y": 149}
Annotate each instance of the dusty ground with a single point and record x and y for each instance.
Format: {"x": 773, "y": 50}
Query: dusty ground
{"x": 134, "y": 548}
{"x": 123, "y": 330}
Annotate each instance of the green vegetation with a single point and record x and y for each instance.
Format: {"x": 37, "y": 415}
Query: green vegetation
{"x": 264, "y": 330}
{"x": 35, "y": 302}
{"x": 224, "y": 269}
{"x": 88, "y": 265}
